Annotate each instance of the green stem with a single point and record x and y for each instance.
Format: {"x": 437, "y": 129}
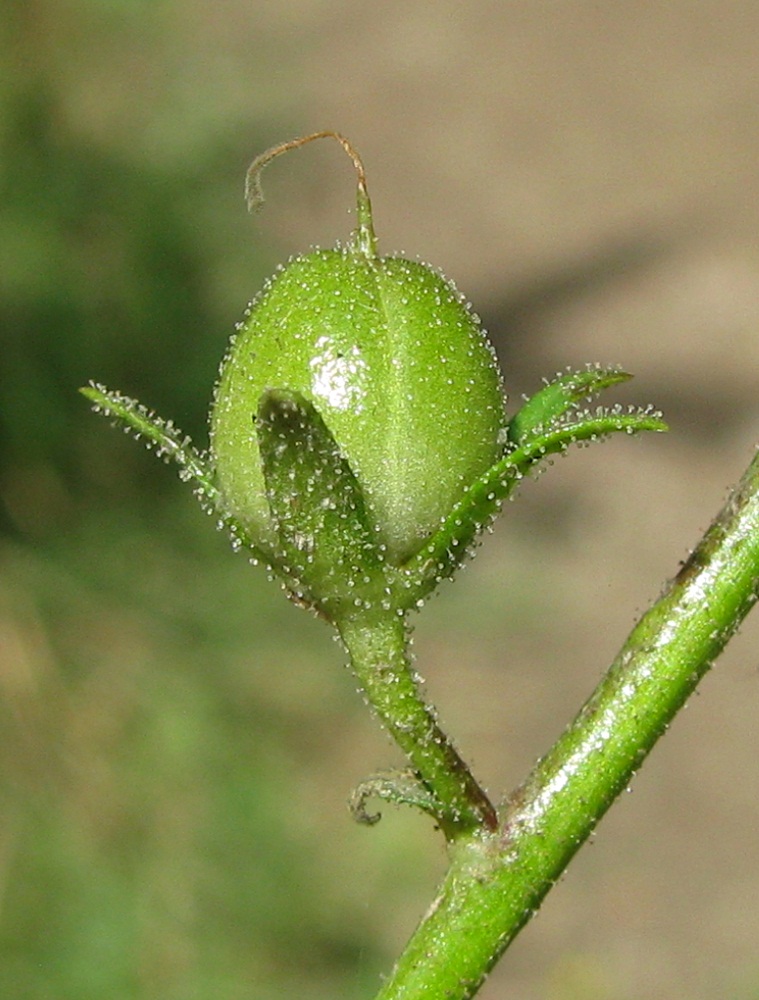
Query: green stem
{"x": 378, "y": 648}
{"x": 497, "y": 881}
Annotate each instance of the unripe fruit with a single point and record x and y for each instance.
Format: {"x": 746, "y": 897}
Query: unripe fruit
{"x": 397, "y": 367}
{"x": 399, "y": 371}
{"x": 358, "y": 438}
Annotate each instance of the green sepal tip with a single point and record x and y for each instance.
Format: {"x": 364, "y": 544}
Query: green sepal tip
{"x": 557, "y": 397}
{"x": 170, "y": 443}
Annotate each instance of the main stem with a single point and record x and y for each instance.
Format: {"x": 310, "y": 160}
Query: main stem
{"x": 497, "y": 881}
{"x": 378, "y": 648}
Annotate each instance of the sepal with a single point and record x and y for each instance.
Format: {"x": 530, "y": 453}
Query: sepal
{"x": 162, "y": 435}
{"x": 170, "y": 443}
{"x": 326, "y": 537}
{"x": 448, "y": 547}
{"x": 552, "y": 403}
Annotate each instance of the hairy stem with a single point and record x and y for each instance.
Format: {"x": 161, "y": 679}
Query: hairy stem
{"x": 378, "y": 648}
{"x": 497, "y": 881}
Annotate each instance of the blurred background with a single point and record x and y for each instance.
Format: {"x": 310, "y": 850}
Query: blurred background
{"x": 177, "y": 742}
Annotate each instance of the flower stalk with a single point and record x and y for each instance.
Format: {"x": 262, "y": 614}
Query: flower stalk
{"x": 378, "y": 648}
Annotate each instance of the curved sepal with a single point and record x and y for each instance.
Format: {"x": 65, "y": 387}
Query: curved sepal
{"x": 400, "y": 787}
{"x": 445, "y": 551}
{"x": 162, "y": 435}
{"x": 171, "y": 444}
{"x": 551, "y": 403}
{"x": 326, "y": 535}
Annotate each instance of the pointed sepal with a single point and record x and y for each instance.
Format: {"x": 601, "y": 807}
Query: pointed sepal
{"x": 551, "y": 403}
{"x": 161, "y": 435}
{"x": 445, "y": 551}
{"x": 171, "y": 444}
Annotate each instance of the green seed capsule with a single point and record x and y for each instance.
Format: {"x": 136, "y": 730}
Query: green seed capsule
{"x": 358, "y": 439}
{"x": 394, "y": 363}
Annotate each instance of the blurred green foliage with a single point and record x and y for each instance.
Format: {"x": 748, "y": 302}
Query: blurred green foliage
{"x": 174, "y": 737}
